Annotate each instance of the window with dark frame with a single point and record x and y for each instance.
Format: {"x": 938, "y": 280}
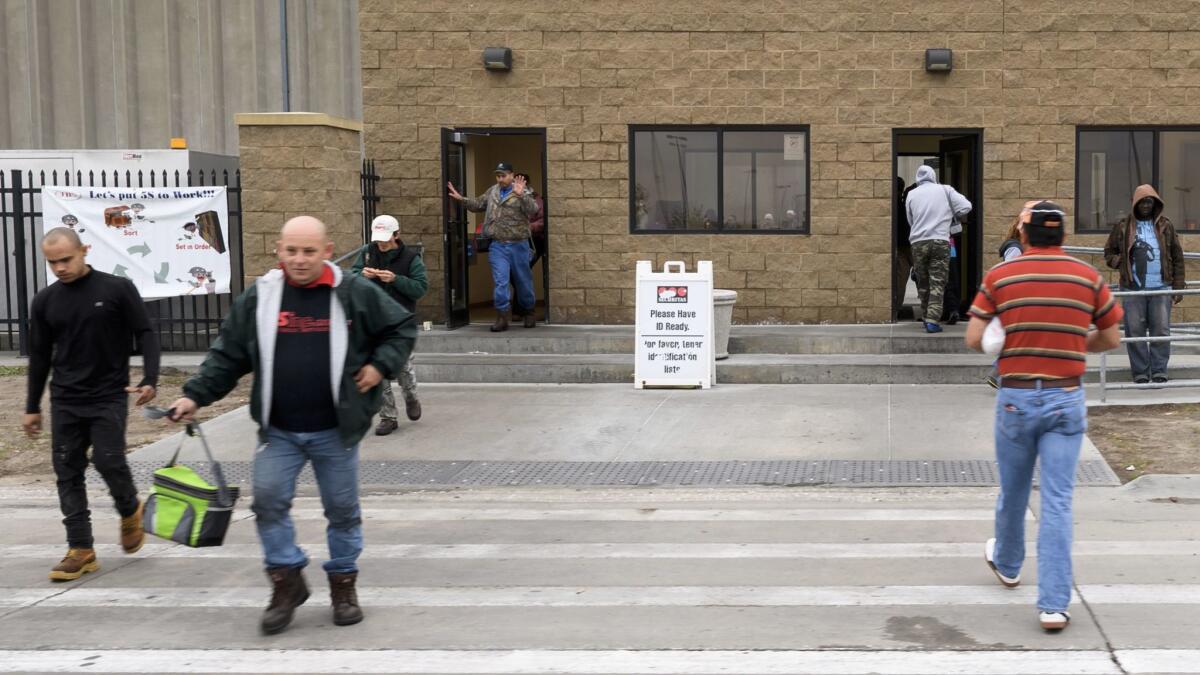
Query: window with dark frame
{"x": 1111, "y": 162}
{"x": 730, "y": 179}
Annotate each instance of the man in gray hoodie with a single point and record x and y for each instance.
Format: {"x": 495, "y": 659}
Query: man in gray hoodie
{"x": 934, "y": 212}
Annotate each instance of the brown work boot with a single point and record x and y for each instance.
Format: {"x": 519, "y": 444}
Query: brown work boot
{"x": 385, "y": 427}
{"x": 412, "y": 408}
{"x": 344, "y": 597}
{"x": 501, "y": 324}
{"x": 132, "y": 534}
{"x": 79, "y": 561}
{"x": 289, "y": 593}
{"x": 529, "y": 320}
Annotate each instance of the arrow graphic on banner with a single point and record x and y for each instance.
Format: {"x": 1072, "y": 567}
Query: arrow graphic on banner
{"x": 160, "y": 277}
{"x": 144, "y": 249}
{"x": 120, "y": 270}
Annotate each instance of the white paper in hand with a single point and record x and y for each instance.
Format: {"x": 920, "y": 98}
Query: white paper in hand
{"x": 993, "y": 338}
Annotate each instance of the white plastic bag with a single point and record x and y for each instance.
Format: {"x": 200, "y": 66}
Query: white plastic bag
{"x": 993, "y": 337}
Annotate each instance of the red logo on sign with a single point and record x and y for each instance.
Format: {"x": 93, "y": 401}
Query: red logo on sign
{"x": 672, "y": 294}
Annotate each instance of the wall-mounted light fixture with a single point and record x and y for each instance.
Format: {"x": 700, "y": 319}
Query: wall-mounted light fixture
{"x": 939, "y": 60}
{"x": 497, "y": 58}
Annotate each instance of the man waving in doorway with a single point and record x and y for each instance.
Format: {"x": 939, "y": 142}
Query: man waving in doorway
{"x": 508, "y": 205}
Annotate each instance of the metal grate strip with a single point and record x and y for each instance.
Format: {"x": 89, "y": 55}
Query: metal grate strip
{"x": 876, "y": 473}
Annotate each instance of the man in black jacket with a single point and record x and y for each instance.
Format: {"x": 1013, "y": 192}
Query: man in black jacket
{"x": 400, "y": 272}
{"x": 83, "y": 326}
{"x": 319, "y": 343}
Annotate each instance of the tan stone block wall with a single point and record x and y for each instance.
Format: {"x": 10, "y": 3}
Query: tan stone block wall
{"x": 1026, "y": 72}
{"x": 292, "y": 170}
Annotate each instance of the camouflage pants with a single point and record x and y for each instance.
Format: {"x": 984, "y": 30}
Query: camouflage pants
{"x": 931, "y": 258}
{"x": 408, "y": 386}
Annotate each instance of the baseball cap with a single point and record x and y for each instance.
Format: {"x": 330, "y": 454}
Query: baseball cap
{"x": 1043, "y": 214}
{"x": 384, "y": 228}
{"x": 503, "y": 167}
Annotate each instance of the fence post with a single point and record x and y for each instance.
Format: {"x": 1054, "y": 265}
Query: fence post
{"x": 19, "y": 253}
{"x": 1104, "y": 377}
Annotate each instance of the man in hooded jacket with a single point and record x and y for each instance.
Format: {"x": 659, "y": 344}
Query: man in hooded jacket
{"x": 932, "y": 211}
{"x": 1146, "y": 250}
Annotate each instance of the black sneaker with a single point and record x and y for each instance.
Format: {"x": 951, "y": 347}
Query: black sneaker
{"x": 1141, "y": 379}
{"x": 1160, "y": 379}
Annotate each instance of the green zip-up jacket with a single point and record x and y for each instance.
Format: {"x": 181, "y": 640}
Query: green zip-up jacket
{"x": 411, "y": 280}
{"x": 365, "y": 327}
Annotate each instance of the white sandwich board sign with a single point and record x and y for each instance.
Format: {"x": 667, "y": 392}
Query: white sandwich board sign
{"x": 674, "y": 326}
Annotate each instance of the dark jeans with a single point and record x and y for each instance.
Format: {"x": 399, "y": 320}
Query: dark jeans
{"x": 74, "y": 427}
{"x": 1147, "y": 316}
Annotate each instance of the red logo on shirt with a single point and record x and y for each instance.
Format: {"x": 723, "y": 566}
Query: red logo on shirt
{"x": 289, "y": 322}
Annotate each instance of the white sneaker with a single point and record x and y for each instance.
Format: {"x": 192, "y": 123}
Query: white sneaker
{"x": 1054, "y": 621}
{"x": 989, "y": 551}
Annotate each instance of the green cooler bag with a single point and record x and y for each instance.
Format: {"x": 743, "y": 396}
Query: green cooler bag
{"x": 185, "y": 508}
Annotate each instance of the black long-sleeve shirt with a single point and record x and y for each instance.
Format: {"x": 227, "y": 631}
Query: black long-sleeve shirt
{"x": 86, "y": 330}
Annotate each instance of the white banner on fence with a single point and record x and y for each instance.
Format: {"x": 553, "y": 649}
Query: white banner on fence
{"x": 168, "y": 241}
{"x": 674, "y": 326}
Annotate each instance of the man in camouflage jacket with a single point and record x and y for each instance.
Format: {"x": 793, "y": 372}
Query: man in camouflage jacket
{"x": 508, "y": 205}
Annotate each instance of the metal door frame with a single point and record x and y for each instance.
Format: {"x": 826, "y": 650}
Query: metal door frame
{"x": 447, "y": 138}
{"x": 976, "y": 240}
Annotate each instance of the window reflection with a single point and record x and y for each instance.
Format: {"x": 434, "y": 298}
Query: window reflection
{"x": 1179, "y": 177}
{"x": 1111, "y": 165}
{"x": 764, "y": 180}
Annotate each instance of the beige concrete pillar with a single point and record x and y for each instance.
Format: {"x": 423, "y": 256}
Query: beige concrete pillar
{"x": 298, "y": 164}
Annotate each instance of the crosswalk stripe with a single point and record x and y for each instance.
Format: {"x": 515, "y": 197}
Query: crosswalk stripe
{"x": 567, "y": 662}
{"x": 638, "y": 550}
{"x": 1159, "y": 660}
{"x": 610, "y": 515}
{"x": 616, "y": 596}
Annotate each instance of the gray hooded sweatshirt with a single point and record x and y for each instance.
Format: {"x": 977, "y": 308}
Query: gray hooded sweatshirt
{"x": 928, "y": 207}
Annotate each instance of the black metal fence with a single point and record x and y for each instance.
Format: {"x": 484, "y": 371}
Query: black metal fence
{"x": 183, "y": 323}
{"x": 368, "y": 182}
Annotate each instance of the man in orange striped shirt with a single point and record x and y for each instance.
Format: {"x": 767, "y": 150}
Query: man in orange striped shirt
{"x": 1046, "y": 301}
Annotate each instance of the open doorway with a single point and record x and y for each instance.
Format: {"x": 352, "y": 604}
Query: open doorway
{"x": 956, "y": 155}
{"x": 469, "y": 157}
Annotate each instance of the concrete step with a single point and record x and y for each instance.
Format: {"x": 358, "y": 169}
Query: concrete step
{"x": 904, "y": 338}
{"x": 747, "y": 368}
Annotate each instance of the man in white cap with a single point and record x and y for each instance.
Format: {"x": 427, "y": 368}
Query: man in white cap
{"x": 400, "y": 272}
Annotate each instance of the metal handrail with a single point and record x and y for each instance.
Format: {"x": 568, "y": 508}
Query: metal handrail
{"x": 1096, "y": 250}
{"x": 1162, "y": 338}
{"x": 1160, "y": 291}
{"x": 1186, "y": 336}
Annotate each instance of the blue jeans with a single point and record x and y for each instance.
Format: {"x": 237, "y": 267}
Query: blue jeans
{"x": 1046, "y": 426}
{"x": 1147, "y": 316}
{"x": 510, "y": 259}
{"x": 277, "y": 465}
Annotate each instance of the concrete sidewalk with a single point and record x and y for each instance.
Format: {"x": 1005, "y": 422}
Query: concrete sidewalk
{"x": 607, "y": 423}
